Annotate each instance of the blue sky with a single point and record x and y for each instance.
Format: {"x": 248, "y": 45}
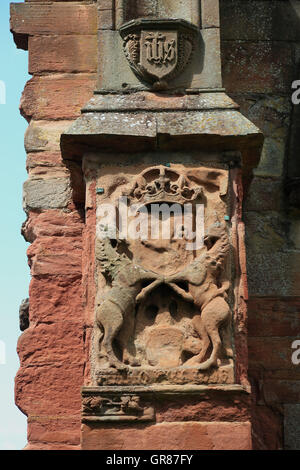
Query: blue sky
{"x": 14, "y": 272}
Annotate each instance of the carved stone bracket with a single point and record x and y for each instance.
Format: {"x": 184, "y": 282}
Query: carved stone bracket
{"x": 158, "y": 51}
{"x": 115, "y": 405}
{"x": 139, "y": 403}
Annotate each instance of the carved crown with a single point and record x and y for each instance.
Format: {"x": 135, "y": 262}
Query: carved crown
{"x": 159, "y": 185}
{"x": 158, "y": 50}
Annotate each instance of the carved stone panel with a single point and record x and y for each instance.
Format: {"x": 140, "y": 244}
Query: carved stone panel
{"x": 158, "y": 51}
{"x": 165, "y": 297}
{"x": 111, "y": 407}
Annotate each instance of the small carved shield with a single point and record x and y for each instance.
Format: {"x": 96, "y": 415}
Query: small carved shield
{"x": 159, "y": 52}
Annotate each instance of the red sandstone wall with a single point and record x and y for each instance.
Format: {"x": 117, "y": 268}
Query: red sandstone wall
{"x": 62, "y": 47}
{"x": 260, "y": 59}
{"x": 260, "y": 56}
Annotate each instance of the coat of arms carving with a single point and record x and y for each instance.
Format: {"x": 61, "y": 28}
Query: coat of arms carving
{"x": 158, "y": 51}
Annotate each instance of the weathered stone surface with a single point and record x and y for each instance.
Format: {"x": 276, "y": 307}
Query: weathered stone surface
{"x": 56, "y": 97}
{"x": 265, "y": 232}
{"x": 203, "y": 71}
{"x": 179, "y": 352}
{"x": 200, "y": 436}
{"x": 186, "y": 9}
{"x": 67, "y": 53}
{"x": 44, "y": 159}
{"x": 56, "y": 343}
{"x": 52, "y": 256}
{"x": 52, "y": 223}
{"x": 274, "y": 274}
{"x": 54, "y": 432}
{"x": 267, "y": 428}
{"x": 273, "y": 317}
{"x": 53, "y": 18}
{"x": 291, "y": 427}
{"x": 271, "y": 353}
{"x": 55, "y": 300}
{"x": 50, "y": 389}
{"x": 257, "y": 68}
{"x": 106, "y": 18}
{"x": 272, "y": 115}
{"x": 145, "y": 100}
{"x": 45, "y": 136}
{"x": 210, "y": 14}
{"x": 265, "y": 194}
{"x": 254, "y": 20}
{"x": 46, "y": 193}
{"x": 281, "y": 391}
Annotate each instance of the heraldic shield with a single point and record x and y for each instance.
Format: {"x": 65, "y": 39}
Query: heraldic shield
{"x": 158, "y": 51}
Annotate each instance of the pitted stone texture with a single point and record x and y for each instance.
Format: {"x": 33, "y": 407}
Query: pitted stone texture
{"x": 249, "y": 67}
{"x": 46, "y": 193}
{"x": 56, "y": 97}
{"x": 291, "y": 427}
{"x": 45, "y": 136}
{"x": 173, "y": 436}
{"x": 68, "y": 53}
{"x": 254, "y": 20}
{"x": 54, "y": 18}
{"x": 276, "y": 273}
{"x": 53, "y": 256}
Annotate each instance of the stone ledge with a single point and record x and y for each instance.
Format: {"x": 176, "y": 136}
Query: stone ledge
{"x": 167, "y": 389}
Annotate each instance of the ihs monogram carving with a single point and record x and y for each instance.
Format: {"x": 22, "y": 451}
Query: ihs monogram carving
{"x": 161, "y": 48}
{"x": 158, "y": 51}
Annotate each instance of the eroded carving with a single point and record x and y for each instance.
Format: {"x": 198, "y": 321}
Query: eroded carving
{"x": 119, "y": 305}
{"x": 156, "y": 319}
{"x": 116, "y": 408}
{"x": 158, "y": 51}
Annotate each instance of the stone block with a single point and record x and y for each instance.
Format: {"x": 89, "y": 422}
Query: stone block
{"x": 60, "y": 342}
{"x": 204, "y": 70}
{"x": 269, "y": 317}
{"x": 172, "y": 436}
{"x": 265, "y": 233}
{"x": 265, "y": 194}
{"x": 43, "y": 159}
{"x": 46, "y": 193}
{"x": 44, "y": 136}
{"x": 263, "y": 67}
{"x": 253, "y": 20}
{"x": 274, "y": 274}
{"x": 210, "y": 14}
{"x": 55, "y": 300}
{"x": 106, "y": 19}
{"x": 55, "y": 431}
{"x": 50, "y": 389}
{"x": 65, "y": 53}
{"x": 281, "y": 391}
{"x": 271, "y": 353}
{"x": 52, "y": 256}
{"x": 292, "y": 427}
{"x": 53, "y": 18}
{"x": 52, "y": 223}
{"x": 272, "y": 115}
{"x": 56, "y": 97}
